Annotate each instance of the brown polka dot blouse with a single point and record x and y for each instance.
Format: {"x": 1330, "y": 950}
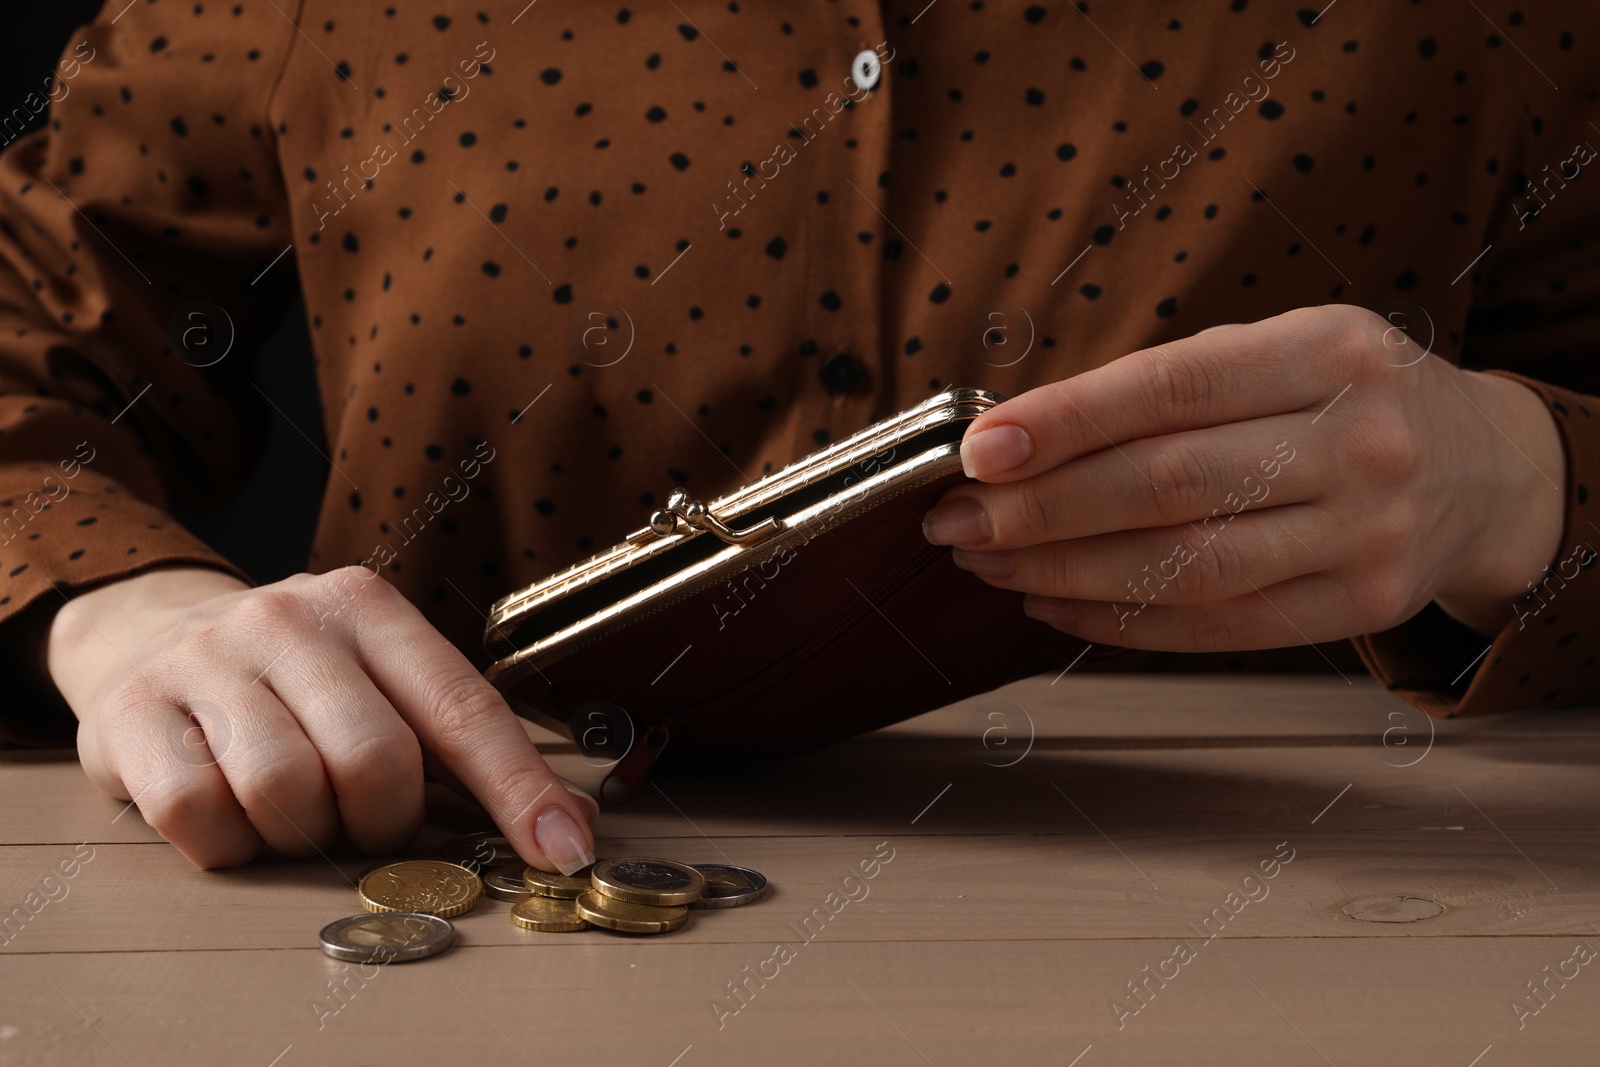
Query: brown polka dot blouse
{"x": 558, "y": 258}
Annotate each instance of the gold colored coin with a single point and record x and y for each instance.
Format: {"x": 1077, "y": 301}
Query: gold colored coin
{"x": 566, "y": 887}
{"x": 548, "y": 915}
{"x": 432, "y": 887}
{"x": 639, "y": 880}
{"x": 613, "y": 914}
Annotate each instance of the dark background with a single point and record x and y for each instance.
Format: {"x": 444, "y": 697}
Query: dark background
{"x": 267, "y": 529}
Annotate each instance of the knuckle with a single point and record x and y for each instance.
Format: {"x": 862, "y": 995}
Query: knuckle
{"x": 1028, "y": 518}
{"x": 1182, "y": 482}
{"x": 1210, "y": 574}
{"x": 1054, "y": 572}
{"x": 138, "y": 726}
{"x": 1387, "y": 596}
{"x": 1216, "y": 631}
{"x": 130, "y": 700}
{"x": 1301, "y": 318}
{"x": 345, "y": 587}
{"x": 378, "y": 762}
{"x": 318, "y": 666}
{"x": 178, "y": 810}
{"x": 1329, "y": 342}
{"x": 460, "y": 706}
{"x": 1337, "y": 323}
{"x": 1182, "y": 383}
{"x": 266, "y": 611}
{"x": 279, "y": 782}
{"x": 1063, "y": 420}
{"x": 1343, "y": 324}
{"x": 350, "y": 571}
{"x": 1394, "y": 527}
{"x": 364, "y": 582}
{"x": 305, "y": 583}
{"x": 521, "y": 786}
{"x": 1390, "y": 453}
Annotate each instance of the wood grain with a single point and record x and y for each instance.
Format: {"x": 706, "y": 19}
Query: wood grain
{"x": 1062, "y": 887}
{"x": 1020, "y": 902}
{"x": 1378, "y": 1002}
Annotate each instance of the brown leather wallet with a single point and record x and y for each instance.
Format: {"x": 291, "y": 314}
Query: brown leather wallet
{"x": 795, "y": 611}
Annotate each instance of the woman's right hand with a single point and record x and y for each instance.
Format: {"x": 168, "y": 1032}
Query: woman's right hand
{"x": 280, "y": 715}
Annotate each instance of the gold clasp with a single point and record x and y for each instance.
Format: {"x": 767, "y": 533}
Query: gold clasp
{"x": 694, "y": 513}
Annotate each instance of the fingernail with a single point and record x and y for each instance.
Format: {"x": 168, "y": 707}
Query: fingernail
{"x": 959, "y": 522}
{"x": 988, "y": 564}
{"x": 589, "y": 802}
{"x": 562, "y": 841}
{"x": 995, "y": 450}
{"x": 1050, "y": 609}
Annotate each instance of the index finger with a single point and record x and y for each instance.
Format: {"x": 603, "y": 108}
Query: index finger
{"x": 1230, "y": 375}
{"x": 463, "y": 720}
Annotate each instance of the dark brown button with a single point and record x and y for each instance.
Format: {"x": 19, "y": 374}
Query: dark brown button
{"x": 842, "y": 373}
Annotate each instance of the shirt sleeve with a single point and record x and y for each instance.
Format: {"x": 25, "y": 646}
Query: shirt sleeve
{"x": 1537, "y": 321}
{"x": 143, "y": 235}
{"x": 1545, "y": 656}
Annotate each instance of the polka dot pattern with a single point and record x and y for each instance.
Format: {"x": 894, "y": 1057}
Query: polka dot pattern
{"x": 555, "y": 267}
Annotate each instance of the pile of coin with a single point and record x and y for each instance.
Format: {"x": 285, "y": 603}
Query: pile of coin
{"x": 409, "y": 903}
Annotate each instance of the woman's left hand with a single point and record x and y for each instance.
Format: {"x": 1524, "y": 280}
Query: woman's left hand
{"x": 1306, "y": 478}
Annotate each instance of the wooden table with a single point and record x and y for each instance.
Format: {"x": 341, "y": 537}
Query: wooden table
{"x": 1031, "y": 910}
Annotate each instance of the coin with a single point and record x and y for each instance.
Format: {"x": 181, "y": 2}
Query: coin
{"x": 548, "y": 914}
{"x": 661, "y": 883}
{"x": 728, "y": 886}
{"x": 431, "y": 886}
{"x": 506, "y": 883}
{"x": 613, "y": 914}
{"x": 390, "y": 938}
{"x": 479, "y": 851}
{"x": 544, "y": 884}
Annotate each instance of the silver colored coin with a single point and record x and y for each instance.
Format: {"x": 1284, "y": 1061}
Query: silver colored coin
{"x": 728, "y": 886}
{"x": 479, "y": 852}
{"x": 391, "y": 937}
{"x": 506, "y": 883}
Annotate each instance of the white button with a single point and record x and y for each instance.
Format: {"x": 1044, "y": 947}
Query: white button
{"x": 866, "y": 69}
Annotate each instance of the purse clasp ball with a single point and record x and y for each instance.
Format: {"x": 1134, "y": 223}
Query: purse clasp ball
{"x": 696, "y": 514}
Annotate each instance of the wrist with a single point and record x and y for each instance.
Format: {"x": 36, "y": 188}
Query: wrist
{"x": 1517, "y": 518}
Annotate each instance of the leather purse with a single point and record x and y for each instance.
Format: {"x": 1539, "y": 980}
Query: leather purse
{"x": 797, "y": 610}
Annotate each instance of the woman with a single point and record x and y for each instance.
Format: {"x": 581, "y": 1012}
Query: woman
{"x": 559, "y": 259}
